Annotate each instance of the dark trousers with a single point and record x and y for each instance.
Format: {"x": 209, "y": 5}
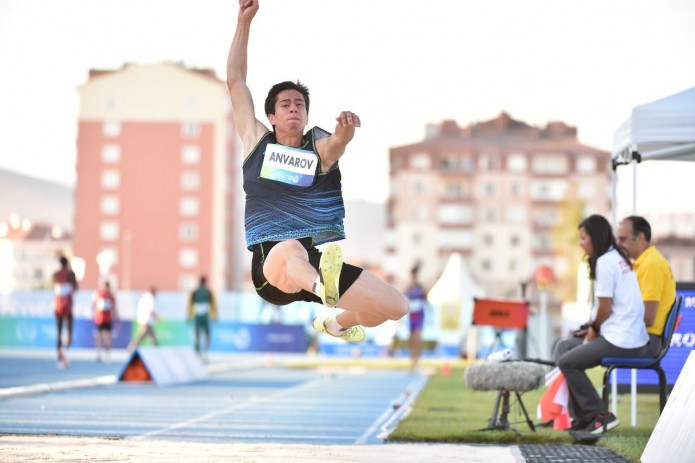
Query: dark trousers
{"x": 585, "y": 400}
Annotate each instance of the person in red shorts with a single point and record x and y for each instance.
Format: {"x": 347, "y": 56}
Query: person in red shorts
{"x": 105, "y": 315}
{"x": 64, "y": 286}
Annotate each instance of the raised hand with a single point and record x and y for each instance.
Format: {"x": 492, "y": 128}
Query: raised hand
{"x": 247, "y": 9}
{"x": 348, "y": 119}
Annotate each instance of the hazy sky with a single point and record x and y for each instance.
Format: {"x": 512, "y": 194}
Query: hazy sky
{"x": 399, "y": 64}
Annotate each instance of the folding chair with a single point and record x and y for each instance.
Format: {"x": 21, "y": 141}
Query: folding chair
{"x": 650, "y": 363}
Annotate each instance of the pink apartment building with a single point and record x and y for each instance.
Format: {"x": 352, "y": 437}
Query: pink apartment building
{"x": 158, "y": 171}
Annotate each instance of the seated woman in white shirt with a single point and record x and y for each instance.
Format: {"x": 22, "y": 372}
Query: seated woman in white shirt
{"x": 617, "y": 327}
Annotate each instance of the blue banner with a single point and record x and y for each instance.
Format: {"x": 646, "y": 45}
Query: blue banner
{"x": 238, "y": 337}
{"x": 682, "y": 342}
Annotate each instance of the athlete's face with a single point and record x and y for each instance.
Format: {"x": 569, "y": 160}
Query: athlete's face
{"x": 290, "y": 111}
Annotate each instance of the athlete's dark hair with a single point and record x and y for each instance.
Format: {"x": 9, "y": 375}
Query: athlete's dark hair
{"x": 640, "y": 225}
{"x": 272, "y": 97}
{"x": 602, "y": 239}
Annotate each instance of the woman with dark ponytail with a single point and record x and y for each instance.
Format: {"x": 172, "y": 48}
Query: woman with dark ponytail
{"x": 616, "y": 328}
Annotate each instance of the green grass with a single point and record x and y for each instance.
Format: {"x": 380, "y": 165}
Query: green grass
{"x": 446, "y": 410}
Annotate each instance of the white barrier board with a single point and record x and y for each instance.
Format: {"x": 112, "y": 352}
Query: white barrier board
{"x": 672, "y": 438}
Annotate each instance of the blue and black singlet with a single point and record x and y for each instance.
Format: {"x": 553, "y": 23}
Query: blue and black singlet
{"x": 287, "y": 195}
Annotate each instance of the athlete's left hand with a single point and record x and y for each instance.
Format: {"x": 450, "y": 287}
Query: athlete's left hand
{"x": 348, "y": 119}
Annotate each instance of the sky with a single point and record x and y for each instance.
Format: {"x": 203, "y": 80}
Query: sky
{"x": 398, "y": 64}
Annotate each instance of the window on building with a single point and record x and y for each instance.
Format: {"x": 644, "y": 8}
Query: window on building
{"x": 455, "y": 239}
{"x": 190, "y": 154}
{"x": 190, "y": 180}
{"x": 488, "y": 239}
{"x": 586, "y": 165}
{"x": 587, "y": 190}
{"x": 486, "y": 265}
{"x": 111, "y": 154}
{"x": 516, "y": 214}
{"x": 420, "y": 213}
{"x": 108, "y": 230}
{"x": 514, "y": 241}
{"x": 487, "y": 214}
{"x": 190, "y": 130}
{"x": 420, "y": 161}
{"x": 417, "y": 238}
{"x": 489, "y": 188}
{"x": 111, "y": 102}
{"x": 187, "y": 282}
{"x": 452, "y": 190}
{"x": 450, "y": 162}
{"x": 112, "y": 252}
{"x": 418, "y": 187}
{"x": 188, "y": 231}
{"x": 516, "y": 162}
{"x": 512, "y": 266}
{"x": 550, "y": 164}
{"x": 189, "y": 206}
{"x": 454, "y": 214}
{"x": 188, "y": 257}
{"x": 545, "y": 217}
{"x": 111, "y": 129}
{"x": 110, "y": 179}
{"x": 468, "y": 164}
{"x": 488, "y": 162}
{"x": 192, "y": 103}
{"x": 542, "y": 242}
{"x": 549, "y": 190}
{"x": 110, "y": 205}
{"x": 517, "y": 189}
{"x": 393, "y": 188}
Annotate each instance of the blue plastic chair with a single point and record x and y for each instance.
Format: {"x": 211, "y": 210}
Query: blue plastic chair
{"x": 649, "y": 363}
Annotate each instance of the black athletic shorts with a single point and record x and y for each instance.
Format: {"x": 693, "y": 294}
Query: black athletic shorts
{"x": 348, "y": 275}
{"x": 107, "y": 326}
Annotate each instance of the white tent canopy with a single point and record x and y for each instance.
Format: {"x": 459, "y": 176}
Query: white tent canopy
{"x": 662, "y": 129}
{"x": 456, "y": 284}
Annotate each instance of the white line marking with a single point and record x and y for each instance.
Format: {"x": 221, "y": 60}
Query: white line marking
{"x": 239, "y": 406}
{"x": 415, "y": 385}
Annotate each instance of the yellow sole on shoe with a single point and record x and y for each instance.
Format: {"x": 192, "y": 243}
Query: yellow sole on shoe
{"x": 330, "y": 267}
{"x": 353, "y": 334}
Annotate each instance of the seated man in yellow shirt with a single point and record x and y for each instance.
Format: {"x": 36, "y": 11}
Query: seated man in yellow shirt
{"x": 657, "y": 284}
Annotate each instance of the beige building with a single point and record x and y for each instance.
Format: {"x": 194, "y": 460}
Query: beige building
{"x": 492, "y": 191}
{"x": 156, "y": 199}
{"x": 680, "y": 253}
{"x": 29, "y": 254}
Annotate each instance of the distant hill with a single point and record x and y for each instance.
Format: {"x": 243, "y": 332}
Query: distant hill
{"x": 36, "y": 199}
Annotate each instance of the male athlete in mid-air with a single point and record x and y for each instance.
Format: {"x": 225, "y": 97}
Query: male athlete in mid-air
{"x": 294, "y": 203}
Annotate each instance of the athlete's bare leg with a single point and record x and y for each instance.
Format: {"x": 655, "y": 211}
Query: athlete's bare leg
{"x": 368, "y": 302}
{"x": 371, "y": 301}
{"x": 287, "y": 267}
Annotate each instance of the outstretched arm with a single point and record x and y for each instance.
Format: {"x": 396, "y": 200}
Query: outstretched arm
{"x": 249, "y": 129}
{"x": 332, "y": 148}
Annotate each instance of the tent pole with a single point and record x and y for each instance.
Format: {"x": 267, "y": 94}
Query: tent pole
{"x": 634, "y": 187}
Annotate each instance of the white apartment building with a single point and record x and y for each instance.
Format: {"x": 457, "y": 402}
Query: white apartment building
{"x": 492, "y": 191}
{"x": 29, "y": 254}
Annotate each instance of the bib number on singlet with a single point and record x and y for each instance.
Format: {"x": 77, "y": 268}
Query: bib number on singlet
{"x": 289, "y": 165}
{"x": 201, "y": 308}
{"x": 104, "y": 305}
{"x": 62, "y": 289}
